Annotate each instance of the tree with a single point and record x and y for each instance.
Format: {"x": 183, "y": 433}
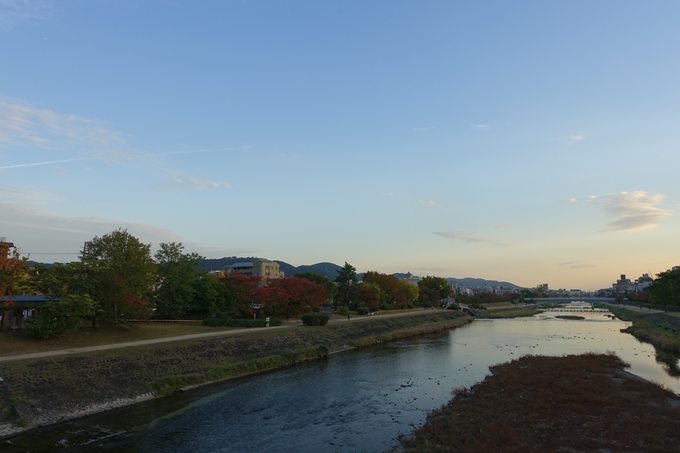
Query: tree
{"x": 346, "y": 279}
{"x": 13, "y": 271}
{"x": 389, "y": 286}
{"x": 409, "y": 290}
{"x": 331, "y": 288}
{"x": 210, "y": 295}
{"x": 665, "y": 290}
{"x": 291, "y": 296}
{"x": 124, "y": 273}
{"x": 428, "y": 297}
{"x": 58, "y": 318}
{"x": 370, "y": 295}
{"x": 177, "y": 275}
{"x": 239, "y": 292}
{"x": 438, "y": 284}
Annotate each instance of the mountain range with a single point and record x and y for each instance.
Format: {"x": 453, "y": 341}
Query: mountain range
{"x": 330, "y": 270}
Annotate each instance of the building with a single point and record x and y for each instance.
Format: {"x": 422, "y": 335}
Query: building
{"x": 257, "y": 268}
{"x": 622, "y": 285}
{"x": 642, "y": 283}
{"x": 412, "y": 279}
{"x": 5, "y": 246}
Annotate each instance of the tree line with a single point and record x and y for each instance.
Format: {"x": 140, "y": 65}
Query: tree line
{"x": 117, "y": 278}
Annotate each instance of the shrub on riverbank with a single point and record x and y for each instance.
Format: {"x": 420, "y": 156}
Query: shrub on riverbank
{"x": 536, "y": 404}
{"x": 315, "y": 319}
{"x": 362, "y": 311}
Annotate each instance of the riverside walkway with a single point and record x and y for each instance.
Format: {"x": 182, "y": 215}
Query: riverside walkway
{"x": 195, "y": 336}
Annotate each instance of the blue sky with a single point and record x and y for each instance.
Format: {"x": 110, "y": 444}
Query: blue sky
{"x": 534, "y": 142}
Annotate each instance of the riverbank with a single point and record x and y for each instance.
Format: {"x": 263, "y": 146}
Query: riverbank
{"x": 515, "y": 312}
{"x": 573, "y": 403}
{"x": 658, "y": 329}
{"x": 43, "y": 392}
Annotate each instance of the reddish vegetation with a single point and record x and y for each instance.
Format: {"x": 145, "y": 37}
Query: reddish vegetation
{"x": 554, "y": 404}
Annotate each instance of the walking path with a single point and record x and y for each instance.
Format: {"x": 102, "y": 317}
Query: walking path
{"x": 195, "y": 336}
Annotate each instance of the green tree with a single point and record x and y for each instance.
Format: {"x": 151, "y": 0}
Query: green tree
{"x": 346, "y": 279}
{"x": 331, "y": 288}
{"x": 177, "y": 274}
{"x": 210, "y": 295}
{"x": 409, "y": 290}
{"x": 58, "y": 318}
{"x": 438, "y": 284}
{"x": 665, "y": 290}
{"x": 124, "y": 274}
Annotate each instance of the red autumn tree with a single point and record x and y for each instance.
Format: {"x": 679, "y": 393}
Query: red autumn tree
{"x": 12, "y": 269}
{"x": 368, "y": 295}
{"x": 291, "y": 296}
{"x": 240, "y": 292}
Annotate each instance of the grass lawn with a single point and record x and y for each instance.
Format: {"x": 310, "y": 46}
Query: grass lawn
{"x": 18, "y": 342}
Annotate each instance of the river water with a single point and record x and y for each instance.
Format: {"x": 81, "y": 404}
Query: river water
{"x": 351, "y": 402}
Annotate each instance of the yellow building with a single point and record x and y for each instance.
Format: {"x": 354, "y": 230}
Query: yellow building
{"x": 257, "y": 267}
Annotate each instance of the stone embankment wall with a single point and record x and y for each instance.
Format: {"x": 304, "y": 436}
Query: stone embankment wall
{"x": 43, "y": 392}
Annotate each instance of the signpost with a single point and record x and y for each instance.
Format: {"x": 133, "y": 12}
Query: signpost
{"x": 267, "y": 320}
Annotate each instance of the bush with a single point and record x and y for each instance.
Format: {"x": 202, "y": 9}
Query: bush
{"x": 315, "y": 319}
{"x": 58, "y": 318}
{"x": 362, "y": 310}
{"x": 454, "y": 307}
{"x": 344, "y": 311}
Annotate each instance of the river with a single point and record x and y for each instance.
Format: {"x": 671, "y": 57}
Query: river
{"x": 351, "y": 402}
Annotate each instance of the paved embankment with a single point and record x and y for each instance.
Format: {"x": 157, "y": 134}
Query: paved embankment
{"x": 55, "y": 388}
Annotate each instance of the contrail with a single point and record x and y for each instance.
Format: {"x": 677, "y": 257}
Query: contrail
{"x": 6, "y": 167}
{"x": 170, "y": 153}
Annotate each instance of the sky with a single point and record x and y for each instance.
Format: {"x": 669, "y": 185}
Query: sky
{"x": 530, "y": 141}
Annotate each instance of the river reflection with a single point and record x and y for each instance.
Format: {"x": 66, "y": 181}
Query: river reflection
{"x": 350, "y": 402}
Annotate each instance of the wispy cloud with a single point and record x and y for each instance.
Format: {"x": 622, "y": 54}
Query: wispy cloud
{"x": 576, "y": 138}
{"x": 432, "y": 204}
{"x": 47, "y": 162}
{"x": 576, "y": 265}
{"x": 481, "y": 126}
{"x": 386, "y": 194}
{"x": 26, "y": 194}
{"x": 424, "y": 129}
{"x": 177, "y": 183}
{"x": 631, "y": 211}
{"x": 41, "y": 233}
{"x": 25, "y": 125}
{"x": 470, "y": 239}
{"x": 18, "y": 12}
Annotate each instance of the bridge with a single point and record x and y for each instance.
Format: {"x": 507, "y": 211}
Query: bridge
{"x": 538, "y": 300}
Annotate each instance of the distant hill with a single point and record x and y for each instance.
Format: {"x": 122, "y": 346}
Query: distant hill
{"x": 32, "y": 263}
{"x": 480, "y": 283}
{"x": 326, "y": 269}
{"x": 330, "y": 270}
{"x": 472, "y": 282}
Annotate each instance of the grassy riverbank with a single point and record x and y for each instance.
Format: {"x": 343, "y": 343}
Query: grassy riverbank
{"x": 659, "y": 329}
{"x": 558, "y": 404}
{"x": 519, "y": 312}
{"x": 49, "y": 390}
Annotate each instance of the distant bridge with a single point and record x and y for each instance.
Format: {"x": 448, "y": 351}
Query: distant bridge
{"x": 569, "y": 299}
